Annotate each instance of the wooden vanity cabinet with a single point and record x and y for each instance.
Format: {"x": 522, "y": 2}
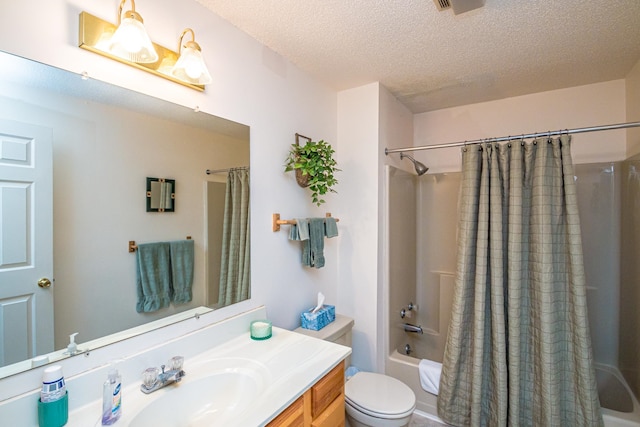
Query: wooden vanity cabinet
{"x": 320, "y": 406}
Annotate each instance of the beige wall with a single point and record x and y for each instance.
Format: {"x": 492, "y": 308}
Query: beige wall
{"x": 582, "y": 106}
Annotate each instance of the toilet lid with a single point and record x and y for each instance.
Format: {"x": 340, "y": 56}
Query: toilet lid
{"x": 379, "y": 395}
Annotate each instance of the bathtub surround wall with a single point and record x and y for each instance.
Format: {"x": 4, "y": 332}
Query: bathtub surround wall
{"x": 403, "y": 234}
{"x": 630, "y": 286}
{"x": 629, "y": 318}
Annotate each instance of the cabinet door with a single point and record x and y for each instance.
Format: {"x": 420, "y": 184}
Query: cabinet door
{"x": 333, "y": 416}
{"x": 325, "y": 391}
{"x": 293, "y": 416}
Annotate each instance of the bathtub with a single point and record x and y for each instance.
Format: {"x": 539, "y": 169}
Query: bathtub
{"x": 619, "y": 406}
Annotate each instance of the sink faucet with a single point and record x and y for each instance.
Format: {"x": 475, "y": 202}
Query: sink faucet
{"x": 153, "y": 379}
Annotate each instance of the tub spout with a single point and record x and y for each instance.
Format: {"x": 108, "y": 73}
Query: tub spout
{"x": 408, "y": 327}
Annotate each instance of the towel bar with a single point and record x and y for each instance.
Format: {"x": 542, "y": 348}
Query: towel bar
{"x": 277, "y": 222}
{"x": 133, "y": 247}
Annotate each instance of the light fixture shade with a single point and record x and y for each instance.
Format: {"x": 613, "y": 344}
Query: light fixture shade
{"x": 131, "y": 41}
{"x": 190, "y": 67}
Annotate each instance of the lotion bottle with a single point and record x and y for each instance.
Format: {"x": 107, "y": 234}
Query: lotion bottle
{"x": 112, "y": 398}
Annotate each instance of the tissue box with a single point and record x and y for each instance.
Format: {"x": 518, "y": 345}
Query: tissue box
{"x": 318, "y": 320}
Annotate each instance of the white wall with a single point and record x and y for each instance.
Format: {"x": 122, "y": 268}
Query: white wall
{"x": 252, "y": 85}
{"x": 357, "y": 272}
{"x": 369, "y": 119}
{"x": 582, "y": 106}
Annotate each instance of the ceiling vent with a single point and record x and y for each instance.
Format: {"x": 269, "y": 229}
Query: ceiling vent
{"x": 458, "y": 6}
{"x": 442, "y": 4}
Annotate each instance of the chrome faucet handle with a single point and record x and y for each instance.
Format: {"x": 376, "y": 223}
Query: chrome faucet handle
{"x": 150, "y": 377}
{"x": 175, "y": 363}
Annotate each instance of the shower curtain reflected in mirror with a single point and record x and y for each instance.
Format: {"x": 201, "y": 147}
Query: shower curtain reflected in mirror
{"x": 235, "y": 275}
{"x": 518, "y": 350}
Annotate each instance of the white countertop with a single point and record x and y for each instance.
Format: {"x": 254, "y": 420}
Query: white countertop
{"x": 287, "y": 364}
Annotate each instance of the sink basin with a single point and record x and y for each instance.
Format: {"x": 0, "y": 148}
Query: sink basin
{"x": 214, "y": 399}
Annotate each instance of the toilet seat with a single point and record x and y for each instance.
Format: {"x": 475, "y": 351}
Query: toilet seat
{"x": 379, "y": 396}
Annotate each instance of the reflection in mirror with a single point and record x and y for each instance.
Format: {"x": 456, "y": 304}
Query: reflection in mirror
{"x": 161, "y": 195}
{"x": 232, "y": 264}
{"x": 102, "y": 140}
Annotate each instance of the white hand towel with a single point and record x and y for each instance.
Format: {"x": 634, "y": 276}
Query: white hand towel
{"x": 430, "y": 375}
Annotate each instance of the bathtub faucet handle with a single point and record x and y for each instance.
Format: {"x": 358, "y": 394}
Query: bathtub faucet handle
{"x": 408, "y": 327}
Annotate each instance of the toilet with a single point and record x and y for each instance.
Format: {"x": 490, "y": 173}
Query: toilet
{"x": 371, "y": 399}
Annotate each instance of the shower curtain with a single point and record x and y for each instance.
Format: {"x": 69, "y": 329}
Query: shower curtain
{"x": 235, "y": 260}
{"x": 518, "y": 350}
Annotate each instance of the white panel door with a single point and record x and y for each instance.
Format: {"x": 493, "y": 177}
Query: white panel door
{"x": 26, "y": 241}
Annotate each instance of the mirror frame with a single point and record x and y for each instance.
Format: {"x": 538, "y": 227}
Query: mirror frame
{"x": 150, "y": 195}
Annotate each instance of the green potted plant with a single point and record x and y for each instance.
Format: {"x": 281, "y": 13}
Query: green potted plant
{"x": 314, "y": 166}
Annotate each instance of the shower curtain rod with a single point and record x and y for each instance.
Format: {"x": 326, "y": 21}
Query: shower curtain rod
{"x": 515, "y": 137}
{"x": 210, "y": 172}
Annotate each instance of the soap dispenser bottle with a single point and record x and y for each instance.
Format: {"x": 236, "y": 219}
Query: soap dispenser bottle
{"x": 112, "y": 398}
{"x": 72, "y": 348}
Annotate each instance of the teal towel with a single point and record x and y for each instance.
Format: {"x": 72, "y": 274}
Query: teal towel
{"x": 182, "y": 270}
{"x": 303, "y": 228}
{"x": 299, "y": 230}
{"x": 153, "y": 276}
{"x": 316, "y": 243}
{"x": 330, "y": 227}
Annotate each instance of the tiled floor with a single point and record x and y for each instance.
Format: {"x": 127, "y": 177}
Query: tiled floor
{"x": 419, "y": 421}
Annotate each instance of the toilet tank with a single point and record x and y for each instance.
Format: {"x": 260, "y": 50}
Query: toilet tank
{"x": 338, "y": 331}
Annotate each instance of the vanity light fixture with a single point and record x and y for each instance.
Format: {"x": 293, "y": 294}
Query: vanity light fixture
{"x": 190, "y": 66}
{"x": 131, "y": 41}
{"x": 102, "y": 37}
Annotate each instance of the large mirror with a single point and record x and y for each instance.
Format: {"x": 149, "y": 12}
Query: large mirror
{"x": 75, "y": 154}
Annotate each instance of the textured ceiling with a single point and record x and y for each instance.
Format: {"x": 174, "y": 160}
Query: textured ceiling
{"x": 431, "y": 60}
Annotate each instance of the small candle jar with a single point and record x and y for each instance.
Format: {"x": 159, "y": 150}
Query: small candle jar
{"x": 260, "y": 329}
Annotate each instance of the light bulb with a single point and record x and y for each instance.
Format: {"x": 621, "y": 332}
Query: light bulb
{"x": 192, "y": 64}
{"x": 130, "y": 37}
{"x": 131, "y": 42}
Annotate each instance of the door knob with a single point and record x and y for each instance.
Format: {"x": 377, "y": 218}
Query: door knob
{"x": 44, "y": 282}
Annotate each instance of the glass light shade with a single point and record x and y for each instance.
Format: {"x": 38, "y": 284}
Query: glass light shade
{"x": 131, "y": 42}
{"x": 191, "y": 68}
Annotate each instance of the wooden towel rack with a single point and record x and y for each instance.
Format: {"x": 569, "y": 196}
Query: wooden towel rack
{"x": 277, "y": 222}
{"x": 133, "y": 247}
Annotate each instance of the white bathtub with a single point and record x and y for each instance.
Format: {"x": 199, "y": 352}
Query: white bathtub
{"x": 613, "y": 391}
